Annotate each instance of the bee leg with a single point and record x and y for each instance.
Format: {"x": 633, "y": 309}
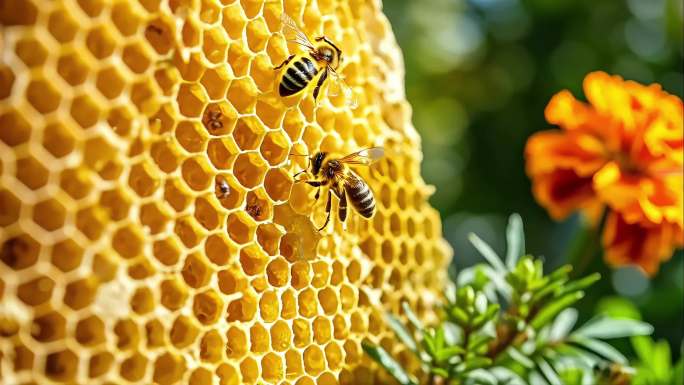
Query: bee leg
{"x": 316, "y": 183}
{"x": 320, "y": 82}
{"x": 328, "y": 205}
{"x": 318, "y": 194}
{"x": 342, "y": 211}
{"x": 284, "y": 63}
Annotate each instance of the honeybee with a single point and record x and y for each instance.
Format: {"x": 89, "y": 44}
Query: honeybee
{"x": 342, "y": 181}
{"x": 300, "y": 69}
{"x": 222, "y": 189}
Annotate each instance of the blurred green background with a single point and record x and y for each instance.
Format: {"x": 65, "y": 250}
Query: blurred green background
{"x": 479, "y": 74}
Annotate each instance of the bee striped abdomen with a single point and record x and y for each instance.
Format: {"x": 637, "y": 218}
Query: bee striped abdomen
{"x": 360, "y": 196}
{"x": 297, "y": 75}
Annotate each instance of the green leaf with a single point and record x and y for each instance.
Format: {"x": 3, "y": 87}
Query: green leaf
{"x": 446, "y": 353}
{"x": 383, "y": 358}
{"x": 643, "y": 346}
{"x": 488, "y": 315}
{"x": 520, "y": 358}
{"x": 601, "y": 348}
{"x": 515, "y": 240}
{"x": 401, "y": 332}
{"x": 459, "y": 316}
{"x": 477, "y": 340}
{"x": 662, "y": 360}
{"x": 413, "y": 319}
{"x": 476, "y": 363}
{"x": 563, "y": 324}
{"x": 549, "y": 372}
{"x": 487, "y": 252}
{"x": 580, "y": 284}
{"x": 605, "y": 327}
{"x": 548, "y": 313}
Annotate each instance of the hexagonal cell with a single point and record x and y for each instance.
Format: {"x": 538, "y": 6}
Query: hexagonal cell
{"x": 128, "y": 336}
{"x": 237, "y": 343}
{"x": 249, "y": 169}
{"x": 211, "y": 347}
{"x": 231, "y": 281}
{"x": 66, "y": 255}
{"x": 158, "y": 34}
{"x": 261, "y": 71}
{"x": 90, "y": 331}
{"x": 85, "y": 111}
{"x": 191, "y": 100}
{"x": 281, "y": 337}
{"x": 183, "y": 332}
{"x": 215, "y": 45}
{"x": 258, "y": 339}
{"x": 196, "y": 173}
{"x": 103, "y": 267}
{"x": 92, "y": 8}
{"x": 110, "y": 82}
{"x": 189, "y": 231}
{"x": 61, "y": 366}
{"x": 206, "y": 214}
{"x": 137, "y": 57}
{"x": 173, "y": 294}
{"x": 193, "y": 69}
{"x": 241, "y": 227}
{"x": 200, "y": 376}
{"x": 100, "y": 41}
{"x": 248, "y": 133}
{"x": 142, "y": 301}
{"x": 242, "y": 94}
{"x": 154, "y": 331}
{"x": 322, "y": 330}
{"x": 31, "y": 172}
{"x": 62, "y": 25}
{"x": 72, "y": 68}
{"x": 278, "y": 184}
{"x": 141, "y": 269}
{"x": 219, "y": 118}
{"x": 10, "y": 207}
{"x": 176, "y": 194}
{"x": 307, "y": 304}
{"x": 249, "y": 370}
{"x": 207, "y": 307}
{"x": 116, "y": 202}
{"x": 133, "y": 368}
{"x": 58, "y": 139}
{"x": 196, "y": 271}
{"x": 301, "y": 331}
{"x": 269, "y": 306}
{"x": 191, "y": 136}
{"x": 272, "y": 368}
{"x": 99, "y": 364}
{"x": 31, "y": 51}
{"x": 234, "y": 21}
{"x": 168, "y": 369}
{"x": 275, "y": 148}
{"x": 328, "y": 300}
{"x": 80, "y": 293}
{"x": 166, "y": 251}
{"x": 242, "y": 309}
{"x": 143, "y": 180}
{"x": 42, "y": 95}
{"x": 340, "y": 329}
{"x": 257, "y": 35}
{"x": 49, "y": 214}
{"x": 125, "y": 18}
{"x": 48, "y": 327}
{"x": 253, "y": 260}
{"x": 154, "y": 218}
{"x": 128, "y": 242}
{"x": 293, "y": 364}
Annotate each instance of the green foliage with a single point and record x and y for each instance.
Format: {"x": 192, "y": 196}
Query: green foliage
{"x": 510, "y": 323}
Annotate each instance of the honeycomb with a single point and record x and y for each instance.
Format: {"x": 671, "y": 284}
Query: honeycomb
{"x": 150, "y": 229}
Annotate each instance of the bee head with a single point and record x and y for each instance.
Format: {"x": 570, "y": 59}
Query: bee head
{"x": 317, "y": 162}
{"x": 328, "y": 52}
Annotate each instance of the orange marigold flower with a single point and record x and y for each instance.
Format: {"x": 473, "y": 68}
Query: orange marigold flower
{"x": 624, "y": 151}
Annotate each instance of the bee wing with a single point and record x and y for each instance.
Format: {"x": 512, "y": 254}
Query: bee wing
{"x": 365, "y": 157}
{"x": 338, "y": 84}
{"x": 293, "y": 33}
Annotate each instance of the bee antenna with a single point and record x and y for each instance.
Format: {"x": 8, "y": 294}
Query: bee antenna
{"x": 293, "y": 154}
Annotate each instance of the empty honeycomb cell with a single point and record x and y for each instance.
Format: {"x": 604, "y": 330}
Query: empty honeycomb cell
{"x": 61, "y": 25}
{"x": 257, "y": 34}
{"x": 249, "y": 169}
{"x": 234, "y": 21}
{"x": 81, "y": 293}
{"x": 90, "y": 331}
{"x": 219, "y": 250}
{"x": 228, "y": 375}
{"x": 231, "y": 281}
{"x": 42, "y": 95}
{"x": 128, "y": 336}
{"x": 136, "y": 57}
{"x": 215, "y": 45}
{"x": 193, "y": 69}
{"x": 154, "y": 334}
{"x": 248, "y": 133}
{"x": 173, "y": 294}
{"x": 58, "y": 139}
{"x": 192, "y": 100}
{"x": 144, "y": 96}
{"x": 37, "y": 291}
{"x": 175, "y": 194}
{"x": 9, "y": 212}
{"x": 117, "y": 204}
{"x": 216, "y": 80}
{"x": 301, "y": 274}
{"x": 100, "y": 42}
{"x": 206, "y": 214}
{"x": 249, "y": 369}
{"x": 241, "y": 228}
{"x": 142, "y": 301}
{"x": 334, "y": 356}
{"x": 200, "y": 376}
{"x": 293, "y": 364}
{"x": 275, "y": 148}
{"x": 262, "y": 72}
{"x": 207, "y": 307}
{"x": 110, "y": 82}
{"x": 166, "y": 251}
{"x": 154, "y": 217}
{"x": 6, "y": 81}
{"x": 103, "y": 267}
{"x": 277, "y": 271}
{"x": 85, "y": 111}
{"x": 31, "y": 51}
{"x": 99, "y": 364}
{"x": 314, "y": 360}
{"x": 190, "y": 33}
{"x": 307, "y": 304}
{"x": 258, "y": 339}
{"x": 281, "y": 336}
{"x": 277, "y": 183}
{"x": 133, "y": 368}
{"x": 196, "y": 271}
{"x": 211, "y": 347}
{"x": 143, "y": 180}
{"x": 242, "y": 309}
{"x": 168, "y": 369}
{"x": 301, "y": 331}
{"x": 242, "y": 95}
{"x": 268, "y": 237}
{"x": 183, "y": 332}
{"x": 48, "y": 327}
{"x": 61, "y": 366}
{"x": 125, "y": 18}
{"x": 127, "y": 241}
{"x": 141, "y": 269}
{"x": 72, "y": 68}
{"x": 340, "y": 329}
{"x": 196, "y": 173}
{"x": 31, "y": 172}
{"x": 272, "y": 366}
{"x": 321, "y": 274}
{"x": 20, "y": 128}
{"x": 328, "y": 300}
{"x": 190, "y": 136}
{"x": 358, "y": 322}
{"x": 158, "y": 34}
